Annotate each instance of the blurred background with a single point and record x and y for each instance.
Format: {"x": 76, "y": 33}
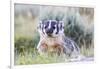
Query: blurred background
{"x": 79, "y": 25}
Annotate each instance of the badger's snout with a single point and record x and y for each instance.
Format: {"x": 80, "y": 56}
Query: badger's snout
{"x": 49, "y": 32}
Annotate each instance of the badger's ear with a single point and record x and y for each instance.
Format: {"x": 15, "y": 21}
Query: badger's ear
{"x": 61, "y": 23}
{"x": 39, "y": 25}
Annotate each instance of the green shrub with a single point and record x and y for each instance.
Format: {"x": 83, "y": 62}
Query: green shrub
{"x": 75, "y": 29}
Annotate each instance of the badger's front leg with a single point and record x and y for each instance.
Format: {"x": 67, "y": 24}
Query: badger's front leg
{"x": 42, "y": 48}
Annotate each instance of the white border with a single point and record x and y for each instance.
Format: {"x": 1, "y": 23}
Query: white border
{"x": 75, "y": 3}
{"x": 12, "y": 34}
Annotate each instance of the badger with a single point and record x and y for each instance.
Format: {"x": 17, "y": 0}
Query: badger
{"x": 54, "y": 41}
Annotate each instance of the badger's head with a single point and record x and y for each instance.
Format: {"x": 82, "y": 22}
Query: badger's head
{"x": 51, "y": 28}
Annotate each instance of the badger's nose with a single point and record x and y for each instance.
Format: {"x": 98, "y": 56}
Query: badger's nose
{"x": 49, "y": 32}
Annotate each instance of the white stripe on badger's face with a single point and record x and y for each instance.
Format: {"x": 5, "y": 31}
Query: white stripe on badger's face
{"x": 49, "y": 24}
{"x": 56, "y": 30}
{"x": 43, "y": 26}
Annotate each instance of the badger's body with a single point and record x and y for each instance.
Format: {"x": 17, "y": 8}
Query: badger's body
{"x": 53, "y": 40}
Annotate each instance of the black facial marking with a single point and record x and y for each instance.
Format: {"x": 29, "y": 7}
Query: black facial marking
{"x": 57, "y": 29}
{"x": 61, "y": 26}
{"x": 46, "y": 24}
{"x": 53, "y": 23}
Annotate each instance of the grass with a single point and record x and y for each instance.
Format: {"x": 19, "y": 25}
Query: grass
{"x": 88, "y": 52}
{"x": 32, "y": 57}
{"x": 26, "y": 53}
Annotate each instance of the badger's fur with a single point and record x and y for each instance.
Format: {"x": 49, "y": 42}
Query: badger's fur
{"x": 53, "y": 40}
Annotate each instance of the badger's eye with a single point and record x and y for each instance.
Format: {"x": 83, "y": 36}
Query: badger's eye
{"x": 53, "y": 27}
{"x": 45, "y": 27}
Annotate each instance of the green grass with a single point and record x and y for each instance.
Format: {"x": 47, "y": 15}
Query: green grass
{"x": 26, "y": 53}
{"x": 32, "y": 57}
{"x": 88, "y": 52}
